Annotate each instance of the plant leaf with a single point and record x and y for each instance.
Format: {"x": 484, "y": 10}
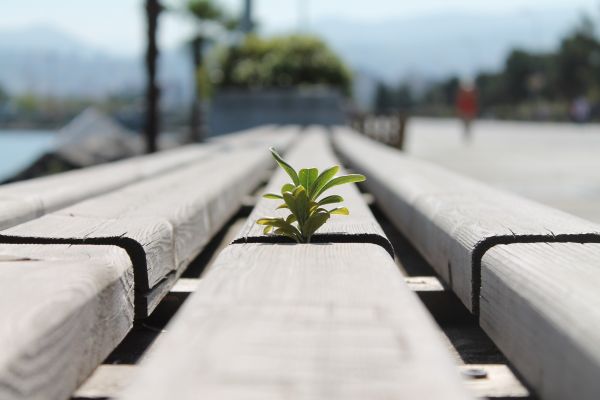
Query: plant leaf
{"x": 282, "y": 206}
{"x": 288, "y": 187}
{"x": 322, "y": 180}
{"x": 341, "y": 180}
{"x": 302, "y": 211}
{"x": 292, "y": 235}
{"x": 286, "y": 167}
{"x": 267, "y": 229}
{"x": 307, "y": 177}
{"x": 340, "y": 211}
{"x": 272, "y": 196}
{"x": 313, "y": 223}
{"x": 290, "y": 201}
{"x": 330, "y": 200}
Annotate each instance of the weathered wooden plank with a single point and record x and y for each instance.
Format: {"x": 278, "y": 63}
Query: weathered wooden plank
{"x": 267, "y": 135}
{"x": 63, "y": 310}
{"x": 314, "y": 150}
{"x": 163, "y": 223}
{"x": 298, "y": 322}
{"x": 450, "y": 219}
{"x": 107, "y": 382}
{"x": 499, "y": 382}
{"x": 24, "y": 201}
{"x": 540, "y": 303}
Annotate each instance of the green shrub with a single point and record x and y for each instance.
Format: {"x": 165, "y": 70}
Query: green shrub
{"x": 282, "y": 62}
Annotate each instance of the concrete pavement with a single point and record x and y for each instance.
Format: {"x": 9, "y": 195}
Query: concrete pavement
{"x": 554, "y": 163}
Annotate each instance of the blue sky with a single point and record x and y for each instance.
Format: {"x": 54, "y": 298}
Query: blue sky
{"x": 117, "y": 26}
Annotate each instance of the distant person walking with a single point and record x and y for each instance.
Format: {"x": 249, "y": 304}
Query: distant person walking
{"x": 466, "y": 106}
{"x": 580, "y": 110}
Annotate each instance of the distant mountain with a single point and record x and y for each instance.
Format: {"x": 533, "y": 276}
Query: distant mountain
{"x": 46, "y": 61}
{"x": 40, "y": 38}
{"x": 437, "y": 45}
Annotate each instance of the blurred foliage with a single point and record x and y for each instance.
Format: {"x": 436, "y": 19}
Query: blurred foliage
{"x": 529, "y": 84}
{"x": 3, "y": 95}
{"x": 281, "y": 62}
{"x": 206, "y": 10}
{"x": 391, "y": 99}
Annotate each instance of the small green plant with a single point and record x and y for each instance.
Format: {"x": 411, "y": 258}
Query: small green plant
{"x": 302, "y": 198}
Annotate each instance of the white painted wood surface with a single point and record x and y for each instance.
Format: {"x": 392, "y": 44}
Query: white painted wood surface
{"x": 63, "y": 309}
{"x": 450, "y": 219}
{"x": 314, "y": 321}
{"x": 313, "y": 150}
{"x": 540, "y": 303}
{"x": 24, "y": 201}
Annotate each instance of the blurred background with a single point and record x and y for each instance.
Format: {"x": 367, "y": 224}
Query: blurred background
{"x": 507, "y": 91}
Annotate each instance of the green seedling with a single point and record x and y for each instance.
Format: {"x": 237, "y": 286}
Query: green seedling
{"x": 303, "y": 198}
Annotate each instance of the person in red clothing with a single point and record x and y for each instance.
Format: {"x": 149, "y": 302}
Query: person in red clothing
{"x": 466, "y": 106}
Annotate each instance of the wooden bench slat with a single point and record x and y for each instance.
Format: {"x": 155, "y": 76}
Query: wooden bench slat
{"x": 540, "y": 303}
{"x": 27, "y": 200}
{"x": 300, "y": 321}
{"x": 450, "y": 219}
{"x": 64, "y": 309}
{"x": 163, "y": 223}
{"x": 314, "y": 150}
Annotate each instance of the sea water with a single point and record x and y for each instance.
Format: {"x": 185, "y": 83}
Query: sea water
{"x": 19, "y": 148}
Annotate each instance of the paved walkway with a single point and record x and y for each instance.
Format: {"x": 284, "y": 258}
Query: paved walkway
{"x": 556, "y": 164}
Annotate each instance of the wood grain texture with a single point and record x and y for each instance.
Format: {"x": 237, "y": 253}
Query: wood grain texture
{"x": 63, "y": 310}
{"x": 168, "y": 219}
{"x": 33, "y": 198}
{"x": 450, "y": 219}
{"x": 300, "y": 322}
{"x": 163, "y": 223}
{"x": 314, "y": 150}
{"x": 540, "y": 303}
{"x": 24, "y": 201}
{"x": 279, "y": 137}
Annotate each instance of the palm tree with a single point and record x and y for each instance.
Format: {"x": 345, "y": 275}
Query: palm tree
{"x": 203, "y": 11}
{"x": 153, "y": 10}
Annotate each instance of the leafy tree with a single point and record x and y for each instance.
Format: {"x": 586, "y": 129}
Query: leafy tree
{"x": 392, "y": 99}
{"x": 207, "y": 13}
{"x": 578, "y": 61}
{"x": 282, "y": 62}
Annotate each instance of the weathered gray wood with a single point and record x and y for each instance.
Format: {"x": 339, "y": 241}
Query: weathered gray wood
{"x": 163, "y": 223}
{"x": 499, "y": 383}
{"x": 314, "y": 150}
{"x": 24, "y": 201}
{"x": 267, "y": 135}
{"x": 63, "y": 310}
{"x": 107, "y": 382}
{"x": 450, "y": 219}
{"x": 540, "y": 303}
{"x": 330, "y": 321}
